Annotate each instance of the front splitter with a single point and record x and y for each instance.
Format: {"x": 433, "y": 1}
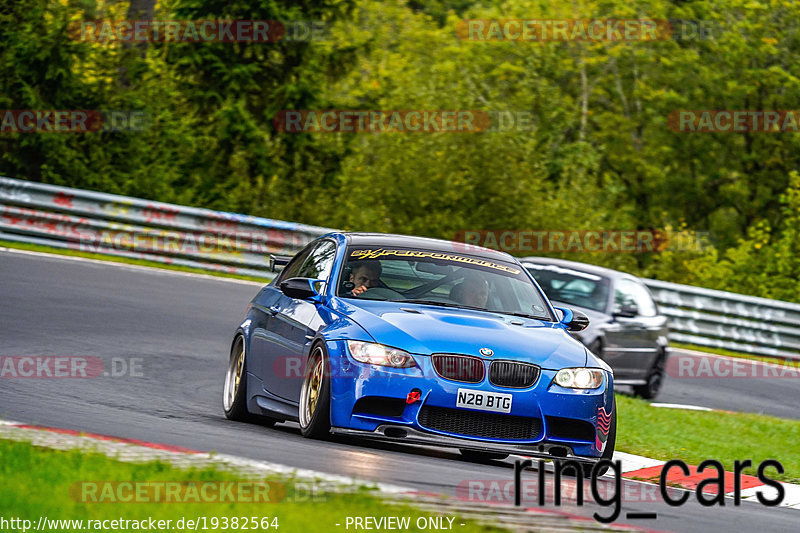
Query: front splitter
{"x": 409, "y": 435}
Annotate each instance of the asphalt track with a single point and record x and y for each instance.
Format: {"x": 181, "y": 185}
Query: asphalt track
{"x": 179, "y": 329}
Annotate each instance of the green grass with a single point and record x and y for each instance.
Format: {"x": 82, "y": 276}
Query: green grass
{"x": 41, "y": 482}
{"x": 126, "y": 260}
{"x": 694, "y": 436}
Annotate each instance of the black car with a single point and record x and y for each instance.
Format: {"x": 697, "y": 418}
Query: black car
{"x": 625, "y": 329}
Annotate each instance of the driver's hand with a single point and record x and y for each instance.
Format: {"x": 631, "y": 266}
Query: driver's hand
{"x": 358, "y": 290}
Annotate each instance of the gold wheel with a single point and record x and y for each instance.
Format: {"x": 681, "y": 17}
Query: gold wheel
{"x": 312, "y": 387}
{"x": 233, "y": 376}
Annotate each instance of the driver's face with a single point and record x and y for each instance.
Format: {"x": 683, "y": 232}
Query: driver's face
{"x": 478, "y": 296}
{"x": 365, "y": 277}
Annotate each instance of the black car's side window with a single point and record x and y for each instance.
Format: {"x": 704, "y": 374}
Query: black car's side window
{"x": 629, "y": 292}
{"x": 622, "y": 297}
{"x": 319, "y": 262}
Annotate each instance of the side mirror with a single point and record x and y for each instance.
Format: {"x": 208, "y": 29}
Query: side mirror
{"x": 574, "y": 320}
{"x": 627, "y": 311}
{"x": 301, "y": 288}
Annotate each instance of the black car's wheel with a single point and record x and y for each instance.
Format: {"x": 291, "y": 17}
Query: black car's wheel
{"x": 315, "y": 396}
{"x": 655, "y": 378}
{"x": 596, "y": 347}
{"x": 478, "y": 457}
{"x": 234, "y": 391}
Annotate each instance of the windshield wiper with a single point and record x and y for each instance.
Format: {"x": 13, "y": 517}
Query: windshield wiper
{"x": 442, "y": 304}
{"x": 523, "y": 315}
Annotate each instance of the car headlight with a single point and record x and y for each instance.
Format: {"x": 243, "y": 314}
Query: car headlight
{"x": 579, "y": 378}
{"x": 378, "y": 354}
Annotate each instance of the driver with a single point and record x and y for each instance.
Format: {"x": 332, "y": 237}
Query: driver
{"x": 473, "y": 292}
{"x": 366, "y": 275}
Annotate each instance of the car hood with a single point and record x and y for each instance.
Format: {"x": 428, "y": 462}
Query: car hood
{"x": 427, "y": 329}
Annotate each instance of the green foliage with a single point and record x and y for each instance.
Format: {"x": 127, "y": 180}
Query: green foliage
{"x": 600, "y": 154}
{"x": 764, "y": 262}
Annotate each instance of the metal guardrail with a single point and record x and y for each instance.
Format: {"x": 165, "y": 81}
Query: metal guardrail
{"x": 735, "y": 322}
{"x": 89, "y": 221}
{"x": 110, "y": 224}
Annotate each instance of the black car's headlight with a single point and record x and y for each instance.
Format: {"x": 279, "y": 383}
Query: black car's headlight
{"x": 378, "y": 354}
{"x": 579, "y": 378}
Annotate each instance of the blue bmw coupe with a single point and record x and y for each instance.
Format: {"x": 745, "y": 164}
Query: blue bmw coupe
{"x": 420, "y": 341}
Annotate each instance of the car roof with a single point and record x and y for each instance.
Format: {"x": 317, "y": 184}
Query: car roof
{"x": 387, "y": 240}
{"x": 582, "y": 267}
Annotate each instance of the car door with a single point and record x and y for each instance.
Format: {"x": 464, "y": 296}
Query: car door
{"x": 263, "y": 337}
{"x": 653, "y": 328}
{"x": 630, "y": 348}
{"x": 293, "y": 324}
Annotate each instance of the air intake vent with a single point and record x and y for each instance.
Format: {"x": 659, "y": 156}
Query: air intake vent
{"x": 380, "y": 406}
{"x": 477, "y": 424}
{"x": 513, "y": 374}
{"x": 570, "y": 428}
{"x": 459, "y": 367}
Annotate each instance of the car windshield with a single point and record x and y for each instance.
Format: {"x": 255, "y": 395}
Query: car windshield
{"x": 445, "y": 279}
{"x": 571, "y": 286}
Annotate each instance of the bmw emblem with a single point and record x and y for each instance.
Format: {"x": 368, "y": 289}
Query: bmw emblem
{"x": 487, "y": 352}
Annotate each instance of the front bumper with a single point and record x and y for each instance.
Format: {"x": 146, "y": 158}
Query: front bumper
{"x": 410, "y": 435}
{"x": 549, "y": 405}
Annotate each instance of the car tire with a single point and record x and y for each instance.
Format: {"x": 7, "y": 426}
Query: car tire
{"x": 314, "y": 411}
{"x": 608, "y": 451}
{"x": 234, "y": 392}
{"x": 655, "y": 379}
{"x": 479, "y": 457}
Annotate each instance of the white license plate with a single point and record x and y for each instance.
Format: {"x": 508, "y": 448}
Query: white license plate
{"x": 485, "y": 401}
